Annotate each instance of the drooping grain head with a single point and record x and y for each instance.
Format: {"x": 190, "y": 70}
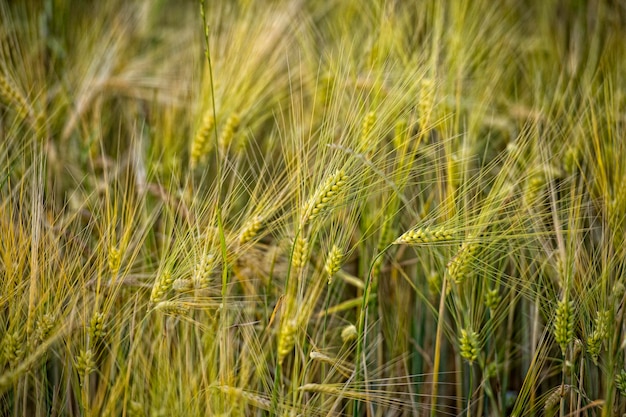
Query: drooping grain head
{"x": 325, "y": 196}
{"x": 161, "y": 286}
{"x": 250, "y": 229}
{"x": 555, "y": 398}
{"x": 424, "y": 235}
{"x": 492, "y": 299}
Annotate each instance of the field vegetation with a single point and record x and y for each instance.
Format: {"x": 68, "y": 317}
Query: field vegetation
{"x": 312, "y": 208}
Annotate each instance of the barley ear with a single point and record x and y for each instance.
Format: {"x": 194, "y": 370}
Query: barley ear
{"x": 250, "y": 229}
{"x": 599, "y": 334}
{"x": 555, "y": 398}
{"x": 201, "y": 143}
{"x": 459, "y": 266}
{"x": 287, "y": 338}
{"x": 564, "y": 323}
{"x": 228, "y": 132}
{"x": 97, "y": 327}
{"x": 114, "y": 259}
{"x": 424, "y": 235}
{"x": 162, "y": 285}
{"x": 300, "y": 253}
{"x": 85, "y": 364}
{"x": 469, "y": 345}
{"x": 620, "y": 382}
{"x": 325, "y": 196}
{"x": 333, "y": 262}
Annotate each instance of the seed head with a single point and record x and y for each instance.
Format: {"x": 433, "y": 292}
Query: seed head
{"x": 424, "y": 235}
{"x": 97, "y": 326}
{"x": 325, "y": 196}
{"x": 201, "y": 144}
{"x": 620, "y": 382}
{"x": 114, "y": 260}
{"x": 162, "y": 285}
{"x": 564, "y": 323}
{"x": 333, "y": 262}
{"x": 600, "y": 332}
{"x": 469, "y": 345}
{"x": 250, "y": 229}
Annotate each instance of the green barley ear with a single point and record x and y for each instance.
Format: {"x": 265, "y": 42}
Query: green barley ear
{"x": 424, "y": 235}
{"x": 43, "y": 327}
{"x": 564, "y": 323}
{"x": 434, "y": 282}
{"x": 387, "y": 233}
{"x": 172, "y": 308}
{"x": 469, "y": 345}
{"x": 366, "y": 131}
{"x": 249, "y": 397}
{"x": 97, "y": 326}
{"x": 12, "y": 349}
{"x": 136, "y": 409}
{"x": 85, "y": 363}
{"x": 162, "y": 285}
{"x": 620, "y": 382}
{"x": 287, "y": 338}
{"x": 492, "y": 299}
{"x": 459, "y": 266}
{"x": 182, "y": 285}
{"x": 534, "y": 187}
{"x": 300, "y": 253}
{"x": 14, "y": 99}
{"x": 333, "y": 262}
{"x": 570, "y": 160}
{"x": 599, "y": 334}
{"x": 201, "y": 144}
{"x": 203, "y": 270}
{"x": 555, "y": 398}
{"x": 114, "y": 258}
{"x": 250, "y": 229}
{"x": 228, "y": 132}
{"x": 325, "y": 196}
{"x": 426, "y": 101}
{"x": 399, "y": 135}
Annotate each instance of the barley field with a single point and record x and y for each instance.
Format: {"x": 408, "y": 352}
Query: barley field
{"x": 312, "y": 208}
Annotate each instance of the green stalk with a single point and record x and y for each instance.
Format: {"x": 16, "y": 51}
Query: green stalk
{"x": 361, "y": 326}
{"x": 437, "y": 360}
{"x": 220, "y": 223}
